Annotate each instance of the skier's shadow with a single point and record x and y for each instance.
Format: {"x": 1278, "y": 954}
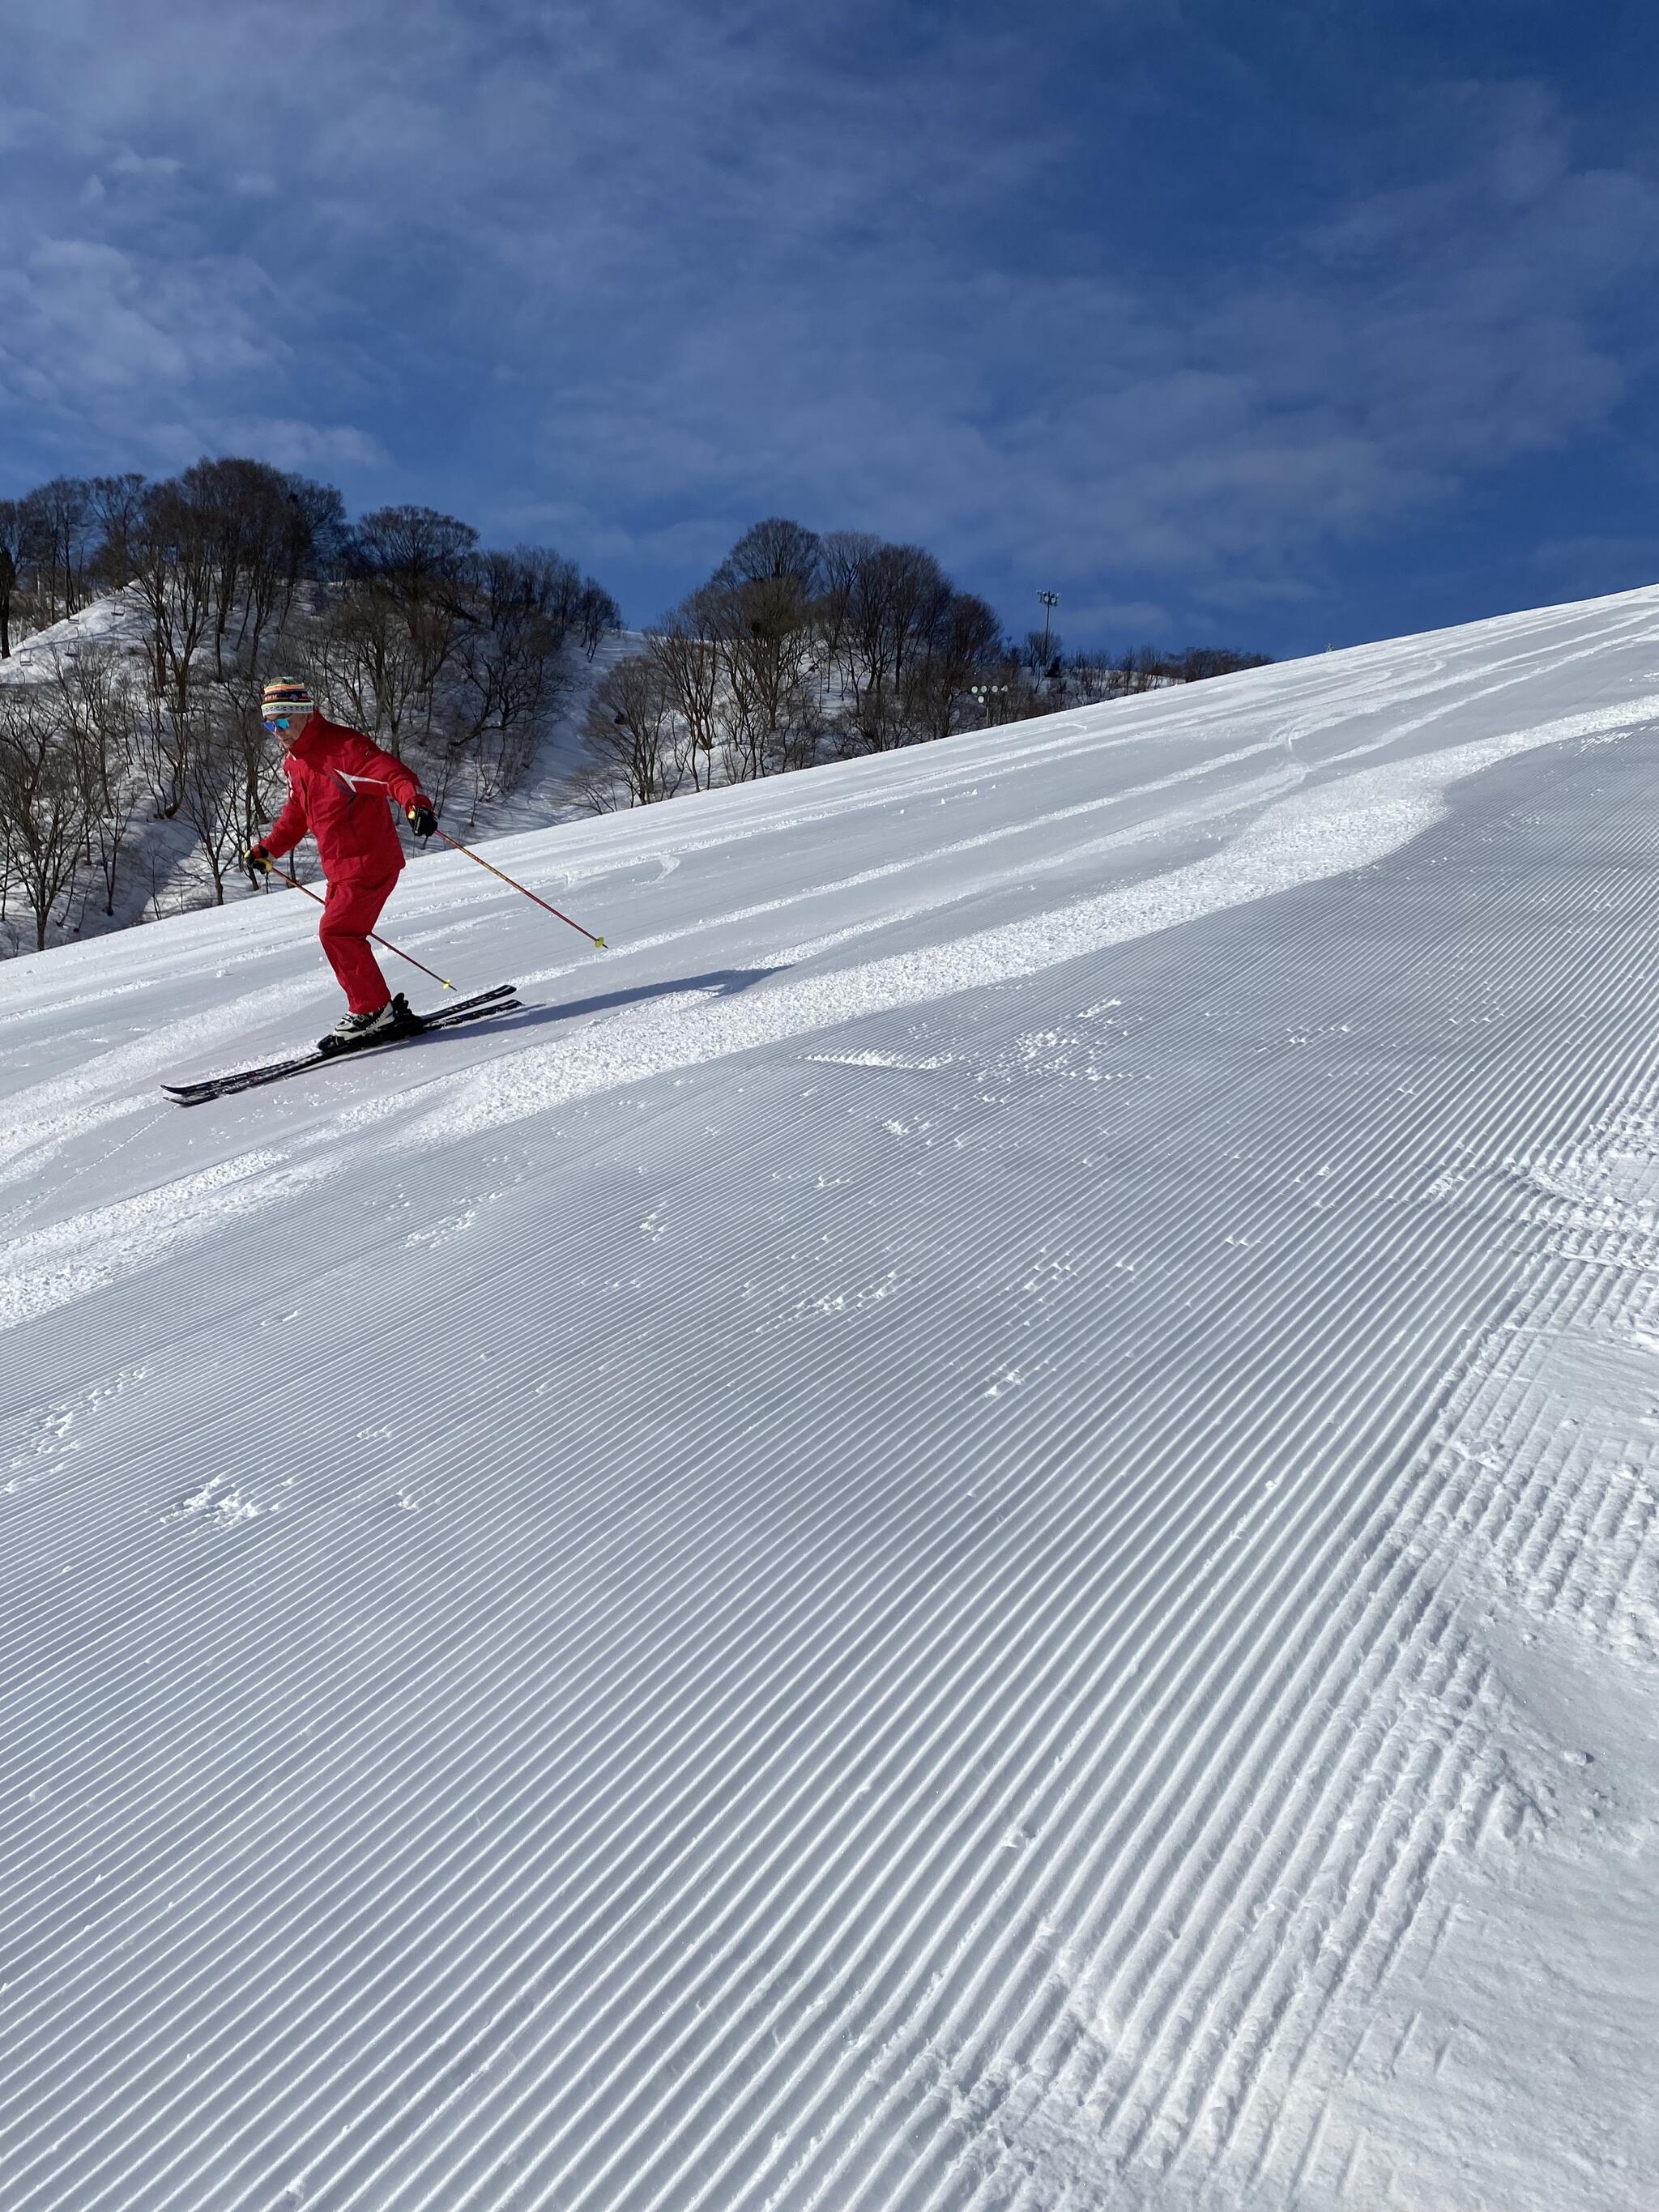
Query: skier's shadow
{"x": 719, "y": 983}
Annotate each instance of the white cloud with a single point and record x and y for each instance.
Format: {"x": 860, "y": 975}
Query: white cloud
{"x": 151, "y": 167}
{"x": 82, "y": 319}
{"x": 292, "y": 445}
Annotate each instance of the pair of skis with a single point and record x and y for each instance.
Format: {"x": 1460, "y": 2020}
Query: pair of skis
{"x": 500, "y": 1000}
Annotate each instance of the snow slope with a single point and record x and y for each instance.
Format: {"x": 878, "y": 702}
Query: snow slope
{"x": 975, "y": 1527}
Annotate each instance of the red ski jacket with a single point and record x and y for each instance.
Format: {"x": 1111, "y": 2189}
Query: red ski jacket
{"x": 338, "y": 783}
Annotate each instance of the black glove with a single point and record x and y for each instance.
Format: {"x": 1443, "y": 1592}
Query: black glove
{"x": 257, "y": 862}
{"x": 422, "y": 820}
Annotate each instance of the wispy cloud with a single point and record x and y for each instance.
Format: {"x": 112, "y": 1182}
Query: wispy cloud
{"x": 315, "y": 448}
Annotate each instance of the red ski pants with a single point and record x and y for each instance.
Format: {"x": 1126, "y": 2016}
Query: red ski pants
{"x": 349, "y": 912}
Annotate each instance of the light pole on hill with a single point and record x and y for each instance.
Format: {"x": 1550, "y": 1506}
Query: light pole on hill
{"x": 1050, "y": 601}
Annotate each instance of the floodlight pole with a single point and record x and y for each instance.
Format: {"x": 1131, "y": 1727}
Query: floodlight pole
{"x": 1050, "y": 601}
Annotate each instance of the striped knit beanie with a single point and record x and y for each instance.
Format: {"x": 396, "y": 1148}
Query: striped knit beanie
{"x": 282, "y": 696}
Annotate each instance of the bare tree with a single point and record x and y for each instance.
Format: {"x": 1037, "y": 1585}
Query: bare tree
{"x": 687, "y": 653}
{"x": 420, "y": 564}
{"x": 775, "y": 551}
{"x": 411, "y": 549}
{"x": 212, "y": 801}
{"x": 42, "y": 825}
{"x": 454, "y": 657}
{"x": 511, "y": 676}
{"x": 361, "y": 657}
{"x": 118, "y": 510}
{"x": 11, "y": 559}
{"x": 87, "y": 692}
{"x": 598, "y": 612}
{"x": 883, "y": 608}
{"x": 318, "y": 533}
{"x": 238, "y": 510}
{"x": 174, "y": 579}
{"x": 840, "y": 557}
{"x": 764, "y": 631}
{"x": 58, "y": 541}
{"x": 632, "y": 756}
{"x": 963, "y": 643}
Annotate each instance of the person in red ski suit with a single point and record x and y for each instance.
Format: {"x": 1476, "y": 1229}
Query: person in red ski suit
{"x": 338, "y": 783}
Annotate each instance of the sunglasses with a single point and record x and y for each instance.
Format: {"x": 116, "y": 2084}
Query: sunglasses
{"x": 281, "y": 722}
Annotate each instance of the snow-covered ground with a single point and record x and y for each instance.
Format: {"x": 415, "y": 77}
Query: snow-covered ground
{"x": 976, "y": 1525}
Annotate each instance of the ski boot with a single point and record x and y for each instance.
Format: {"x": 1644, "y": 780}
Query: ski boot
{"x": 394, "y": 1019}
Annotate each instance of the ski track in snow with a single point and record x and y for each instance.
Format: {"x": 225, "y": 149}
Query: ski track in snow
{"x": 977, "y": 1528}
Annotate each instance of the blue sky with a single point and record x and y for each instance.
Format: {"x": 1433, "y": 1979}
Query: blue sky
{"x": 1278, "y": 325}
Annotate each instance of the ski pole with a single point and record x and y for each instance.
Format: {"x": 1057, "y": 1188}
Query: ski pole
{"x": 385, "y": 943}
{"x": 381, "y": 784}
{"x": 506, "y": 879}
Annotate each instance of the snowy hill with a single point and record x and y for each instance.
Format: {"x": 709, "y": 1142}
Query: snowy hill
{"x": 977, "y": 1526}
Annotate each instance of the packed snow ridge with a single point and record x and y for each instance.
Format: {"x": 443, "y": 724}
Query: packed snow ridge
{"x": 976, "y": 1526}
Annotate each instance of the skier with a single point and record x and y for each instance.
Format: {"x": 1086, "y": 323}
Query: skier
{"x": 337, "y": 784}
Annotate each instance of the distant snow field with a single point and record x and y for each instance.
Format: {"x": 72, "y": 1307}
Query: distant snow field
{"x": 975, "y": 1527}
